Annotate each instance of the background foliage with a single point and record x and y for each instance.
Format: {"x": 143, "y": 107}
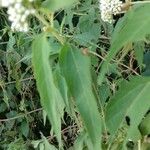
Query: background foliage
{"x": 75, "y": 82}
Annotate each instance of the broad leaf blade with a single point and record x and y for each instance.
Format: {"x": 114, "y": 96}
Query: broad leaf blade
{"x": 132, "y": 100}
{"x": 49, "y": 94}
{"x": 134, "y": 26}
{"x": 76, "y": 69}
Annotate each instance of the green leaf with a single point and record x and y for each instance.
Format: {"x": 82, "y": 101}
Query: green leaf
{"x": 77, "y": 72}
{"x": 60, "y": 82}
{"x": 79, "y": 143}
{"x": 17, "y": 145}
{"x": 139, "y": 52}
{"x": 104, "y": 93}
{"x": 145, "y": 125}
{"x": 132, "y": 101}
{"x": 47, "y": 145}
{"x": 49, "y": 94}
{"x": 54, "y": 5}
{"x": 147, "y": 64}
{"x": 133, "y": 27}
{"x": 5, "y": 98}
{"x": 24, "y": 128}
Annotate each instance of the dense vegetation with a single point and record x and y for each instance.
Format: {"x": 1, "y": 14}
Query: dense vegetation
{"x": 69, "y": 80}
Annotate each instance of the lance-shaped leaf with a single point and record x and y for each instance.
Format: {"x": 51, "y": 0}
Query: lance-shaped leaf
{"x": 76, "y": 69}
{"x": 132, "y": 101}
{"x": 134, "y": 26}
{"x": 49, "y": 94}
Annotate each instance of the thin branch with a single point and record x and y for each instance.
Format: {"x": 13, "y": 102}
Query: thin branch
{"x": 21, "y": 116}
{"x": 23, "y": 80}
{"x": 139, "y": 144}
{"x": 96, "y": 54}
{"x": 140, "y": 2}
{"x": 63, "y": 131}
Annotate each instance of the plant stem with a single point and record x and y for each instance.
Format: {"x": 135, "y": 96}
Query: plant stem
{"x": 139, "y": 144}
{"x": 49, "y": 28}
{"x": 40, "y": 18}
{"x": 52, "y": 19}
{"x": 140, "y": 2}
{"x": 126, "y": 5}
{"x": 21, "y": 116}
{"x": 96, "y": 54}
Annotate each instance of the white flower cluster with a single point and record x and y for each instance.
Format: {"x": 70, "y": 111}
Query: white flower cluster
{"x": 17, "y": 14}
{"x": 108, "y": 8}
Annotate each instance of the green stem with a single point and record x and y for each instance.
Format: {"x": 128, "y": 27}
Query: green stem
{"x": 140, "y": 2}
{"x": 139, "y": 144}
{"x": 40, "y": 18}
{"x": 49, "y": 28}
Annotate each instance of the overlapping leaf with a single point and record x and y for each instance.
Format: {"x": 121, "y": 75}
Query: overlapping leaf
{"x": 76, "y": 69}
{"x": 132, "y": 101}
{"x": 49, "y": 94}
